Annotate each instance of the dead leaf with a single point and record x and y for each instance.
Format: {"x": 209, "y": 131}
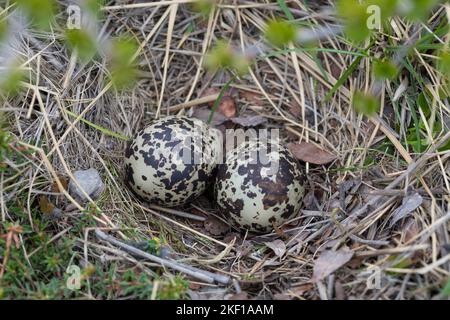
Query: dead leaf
{"x": 215, "y": 226}
{"x": 227, "y": 107}
{"x": 277, "y": 246}
{"x": 410, "y": 230}
{"x": 231, "y": 236}
{"x": 45, "y": 205}
{"x": 409, "y": 204}
{"x": 249, "y": 121}
{"x": 330, "y": 261}
{"x": 203, "y": 113}
{"x": 64, "y": 183}
{"x": 309, "y": 152}
{"x": 295, "y": 109}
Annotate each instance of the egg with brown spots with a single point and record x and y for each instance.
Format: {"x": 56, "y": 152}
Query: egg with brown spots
{"x": 171, "y": 161}
{"x": 259, "y": 186}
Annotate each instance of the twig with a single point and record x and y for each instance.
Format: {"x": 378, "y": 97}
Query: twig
{"x": 195, "y": 102}
{"x": 202, "y": 275}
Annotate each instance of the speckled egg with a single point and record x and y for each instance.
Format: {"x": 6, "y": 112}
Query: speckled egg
{"x": 260, "y": 185}
{"x": 171, "y": 161}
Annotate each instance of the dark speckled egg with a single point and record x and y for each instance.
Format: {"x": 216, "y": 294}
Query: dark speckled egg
{"x": 259, "y": 185}
{"x": 171, "y": 161}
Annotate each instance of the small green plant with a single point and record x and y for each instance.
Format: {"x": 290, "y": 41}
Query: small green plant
{"x": 173, "y": 289}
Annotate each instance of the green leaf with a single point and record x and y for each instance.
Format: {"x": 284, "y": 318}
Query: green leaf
{"x": 41, "y": 12}
{"x": 444, "y": 62}
{"x": 82, "y": 42}
{"x": 446, "y": 290}
{"x": 279, "y": 32}
{"x": 282, "y": 4}
{"x": 384, "y": 69}
{"x": 365, "y": 103}
{"x": 343, "y": 78}
{"x": 100, "y": 128}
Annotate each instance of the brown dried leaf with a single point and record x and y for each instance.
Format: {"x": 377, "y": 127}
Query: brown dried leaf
{"x": 309, "y": 152}
{"x": 231, "y": 236}
{"x": 45, "y": 205}
{"x": 295, "y": 109}
{"x": 330, "y": 261}
{"x": 215, "y": 226}
{"x": 249, "y": 121}
{"x": 227, "y": 107}
{"x": 203, "y": 113}
{"x": 277, "y": 246}
{"x": 409, "y": 204}
{"x": 64, "y": 183}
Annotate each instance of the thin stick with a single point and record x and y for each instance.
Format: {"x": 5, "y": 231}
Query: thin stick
{"x": 195, "y": 102}
{"x": 189, "y": 270}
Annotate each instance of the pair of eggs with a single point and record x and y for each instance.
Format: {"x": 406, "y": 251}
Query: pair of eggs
{"x": 173, "y": 160}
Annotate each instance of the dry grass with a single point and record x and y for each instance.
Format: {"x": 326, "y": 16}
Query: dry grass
{"x": 349, "y": 204}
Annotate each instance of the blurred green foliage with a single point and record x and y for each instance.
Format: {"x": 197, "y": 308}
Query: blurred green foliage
{"x": 40, "y": 12}
{"x": 419, "y": 9}
{"x": 10, "y": 82}
{"x": 81, "y": 41}
{"x": 203, "y": 7}
{"x": 123, "y": 70}
{"x": 3, "y": 29}
{"x": 365, "y": 103}
{"x": 222, "y": 56}
{"x": 94, "y": 6}
{"x": 384, "y": 69}
{"x": 354, "y": 15}
{"x": 280, "y": 32}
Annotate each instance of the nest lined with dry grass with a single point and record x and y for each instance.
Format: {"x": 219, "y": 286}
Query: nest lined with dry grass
{"x": 349, "y": 205}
